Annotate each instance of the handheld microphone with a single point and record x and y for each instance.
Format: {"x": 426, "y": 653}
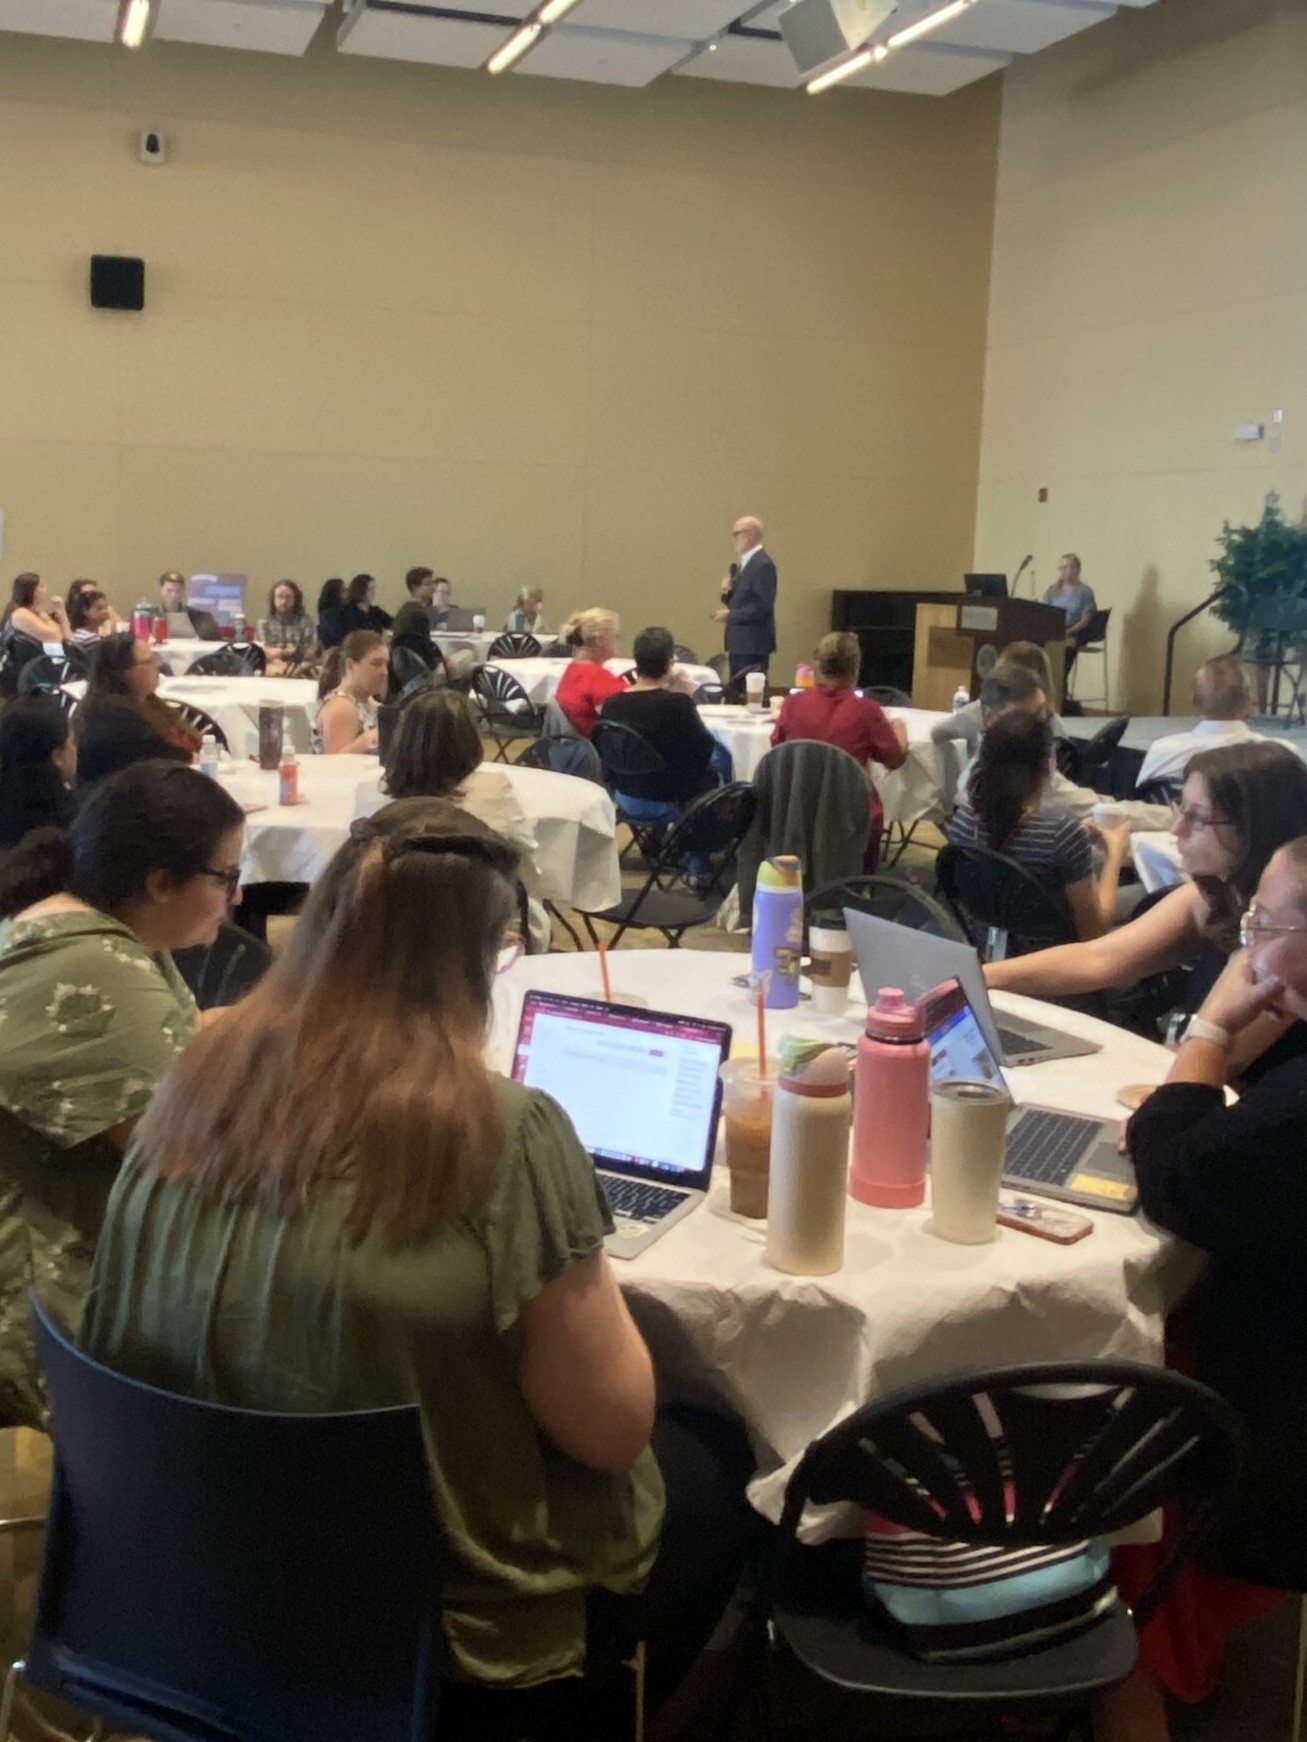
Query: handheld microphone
{"x": 732, "y": 575}
{"x": 734, "y": 570}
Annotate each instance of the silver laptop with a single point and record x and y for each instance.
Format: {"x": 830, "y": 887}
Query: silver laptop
{"x": 916, "y": 961}
{"x": 180, "y": 627}
{"x": 643, "y": 1091}
{"x": 1052, "y": 1153}
{"x": 461, "y": 619}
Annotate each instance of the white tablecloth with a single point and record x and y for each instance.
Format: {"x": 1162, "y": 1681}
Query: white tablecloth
{"x": 1156, "y": 854}
{"x": 539, "y": 677}
{"x": 792, "y": 1355}
{"x": 909, "y": 794}
{"x": 576, "y": 840}
{"x": 176, "y": 657}
{"x": 476, "y": 641}
{"x": 233, "y": 702}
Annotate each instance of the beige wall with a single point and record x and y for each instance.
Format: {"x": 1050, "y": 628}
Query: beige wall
{"x": 522, "y": 329}
{"x": 1149, "y": 291}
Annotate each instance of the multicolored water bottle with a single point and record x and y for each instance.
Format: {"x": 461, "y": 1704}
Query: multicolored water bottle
{"x": 778, "y": 930}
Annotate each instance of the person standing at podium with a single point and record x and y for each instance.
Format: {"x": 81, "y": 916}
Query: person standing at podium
{"x": 1070, "y": 594}
{"x": 748, "y": 595}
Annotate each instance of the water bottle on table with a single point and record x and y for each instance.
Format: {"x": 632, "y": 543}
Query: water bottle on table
{"x": 809, "y": 1170}
{"x": 778, "y": 930}
{"x": 209, "y": 756}
{"x": 891, "y": 1106}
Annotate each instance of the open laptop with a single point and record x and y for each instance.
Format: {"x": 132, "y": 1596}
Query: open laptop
{"x": 643, "y": 1091}
{"x": 1056, "y": 1154}
{"x": 180, "y": 627}
{"x": 461, "y": 619}
{"x": 916, "y": 961}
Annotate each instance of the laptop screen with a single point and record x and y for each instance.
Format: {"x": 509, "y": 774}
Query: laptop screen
{"x": 640, "y": 1086}
{"x": 958, "y": 1047}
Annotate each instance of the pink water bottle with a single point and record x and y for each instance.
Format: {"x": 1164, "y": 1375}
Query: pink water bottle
{"x": 891, "y": 1106}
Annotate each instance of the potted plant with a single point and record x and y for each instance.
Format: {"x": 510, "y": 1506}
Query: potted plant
{"x": 1259, "y": 563}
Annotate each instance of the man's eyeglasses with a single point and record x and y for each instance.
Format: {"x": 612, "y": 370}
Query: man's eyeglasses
{"x": 1252, "y": 931}
{"x": 230, "y": 878}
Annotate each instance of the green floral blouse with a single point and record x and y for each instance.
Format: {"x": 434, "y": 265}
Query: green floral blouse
{"x": 89, "y": 1023}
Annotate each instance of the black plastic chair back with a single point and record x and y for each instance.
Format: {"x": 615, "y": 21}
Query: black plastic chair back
{"x": 1095, "y": 631}
{"x": 686, "y": 655}
{"x": 885, "y": 897}
{"x": 502, "y": 697}
{"x": 387, "y": 721}
{"x": 222, "y": 972}
{"x": 888, "y": 696}
{"x": 1160, "y": 791}
{"x": 709, "y": 832}
{"x": 626, "y": 754}
{"x": 62, "y": 698}
{"x": 1000, "y": 897}
{"x": 216, "y": 1574}
{"x": 1066, "y": 754}
{"x": 200, "y": 722}
{"x": 406, "y": 665}
{"x": 222, "y": 662}
{"x": 514, "y": 644}
{"x": 1049, "y": 1453}
{"x": 1096, "y": 753}
{"x": 576, "y": 756}
{"x": 50, "y": 671}
{"x": 253, "y": 659}
{"x": 721, "y": 664}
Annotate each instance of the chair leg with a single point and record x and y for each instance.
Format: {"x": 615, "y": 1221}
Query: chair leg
{"x": 638, "y": 1666}
{"x": 7, "y": 1698}
{"x": 1300, "y": 1678}
{"x": 566, "y": 924}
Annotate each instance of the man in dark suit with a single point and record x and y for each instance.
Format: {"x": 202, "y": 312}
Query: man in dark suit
{"x": 749, "y": 600}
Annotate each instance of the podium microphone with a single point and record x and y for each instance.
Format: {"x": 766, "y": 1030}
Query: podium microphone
{"x": 1025, "y": 564}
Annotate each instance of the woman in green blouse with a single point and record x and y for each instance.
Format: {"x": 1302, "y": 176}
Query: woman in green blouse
{"x": 92, "y": 1012}
{"x": 289, "y": 1234}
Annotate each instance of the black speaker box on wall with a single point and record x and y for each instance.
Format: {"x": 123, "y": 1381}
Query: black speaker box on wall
{"x": 117, "y": 281}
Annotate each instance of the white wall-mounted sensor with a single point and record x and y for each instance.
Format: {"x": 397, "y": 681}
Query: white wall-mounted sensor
{"x": 152, "y": 146}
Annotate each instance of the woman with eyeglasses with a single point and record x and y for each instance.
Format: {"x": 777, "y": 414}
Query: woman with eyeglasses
{"x": 92, "y": 1012}
{"x": 417, "y": 1229}
{"x": 1239, "y": 804}
{"x": 1229, "y": 1179}
{"x": 123, "y": 718}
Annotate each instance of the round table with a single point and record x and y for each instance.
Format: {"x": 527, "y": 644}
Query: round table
{"x": 910, "y": 794}
{"x": 477, "y": 642}
{"x": 233, "y": 703}
{"x": 539, "y": 676}
{"x": 792, "y": 1355}
{"x": 575, "y": 830}
{"x": 177, "y": 657}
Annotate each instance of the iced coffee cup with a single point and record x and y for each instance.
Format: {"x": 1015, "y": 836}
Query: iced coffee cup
{"x": 746, "y": 1111}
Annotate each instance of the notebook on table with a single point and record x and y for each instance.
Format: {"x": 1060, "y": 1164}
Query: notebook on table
{"x": 643, "y": 1091}
{"x": 1049, "y": 1152}
{"x": 916, "y": 961}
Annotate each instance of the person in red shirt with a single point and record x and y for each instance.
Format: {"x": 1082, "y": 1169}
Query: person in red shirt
{"x": 587, "y": 684}
{"x": 835, "y": 713}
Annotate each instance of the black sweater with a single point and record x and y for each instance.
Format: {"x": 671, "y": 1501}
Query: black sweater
{"x": 1233, "y": 1181}
{"x": 669, "y": 721}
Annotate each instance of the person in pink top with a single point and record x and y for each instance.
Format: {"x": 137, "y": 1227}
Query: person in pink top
{"x": 835, "y": 713}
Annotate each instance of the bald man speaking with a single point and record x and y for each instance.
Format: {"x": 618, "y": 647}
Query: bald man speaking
{"x": 749, "y": 600}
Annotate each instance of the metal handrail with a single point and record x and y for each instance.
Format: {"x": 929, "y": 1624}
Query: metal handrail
{"x": 1171, "y": 634}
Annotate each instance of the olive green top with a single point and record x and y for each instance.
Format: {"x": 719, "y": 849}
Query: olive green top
{"x": 232, "y": 1302}
{"x": 89, "y": 1022}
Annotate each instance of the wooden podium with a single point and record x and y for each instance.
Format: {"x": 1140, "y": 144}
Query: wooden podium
{"x": 958, "y": 643}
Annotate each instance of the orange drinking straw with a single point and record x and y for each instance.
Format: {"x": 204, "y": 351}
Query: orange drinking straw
{"x": 762, "y": 1033}
{"x": 603, "y": 969}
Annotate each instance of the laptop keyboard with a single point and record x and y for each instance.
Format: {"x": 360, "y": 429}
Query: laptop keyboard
{"x": 1048, "y": 1146}
{"x": 635, "y": 1200}
{"x": 1012, "y": 1042}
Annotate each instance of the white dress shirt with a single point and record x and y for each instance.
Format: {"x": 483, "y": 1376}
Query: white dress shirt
{"x": 1167, "y": 757}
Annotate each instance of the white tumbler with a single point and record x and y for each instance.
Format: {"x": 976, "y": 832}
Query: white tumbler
{"x": 968, "y": 1140}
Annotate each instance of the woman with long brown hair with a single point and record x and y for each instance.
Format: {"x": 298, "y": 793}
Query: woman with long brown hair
{"x": 350, "y": 689}
{"x": 1239, "y": 805}
{"x": 409, "y": 1229}
{"x": 123, "y": 718}
{"x": 35, "y": 612}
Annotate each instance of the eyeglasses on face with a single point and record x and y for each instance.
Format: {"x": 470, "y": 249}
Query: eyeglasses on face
{"x": 1195, "y": 820}
{"x": 1253, "y": 931}
{"x": 230, "y": 878}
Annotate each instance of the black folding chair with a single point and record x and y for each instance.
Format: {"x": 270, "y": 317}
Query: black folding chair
{"x": 558, "y": 755}
{"x": 49, "y": 671}
{"x": 17, "y": 651}
{"x": 507, "y": 712}
{"x": 514, "y": 644}
{"x": 896, "y": 899}
{"x": 888, "y": 696}
{"x": 703, "y": 844}
{"x": 1046, "y": 1455}
{"x": 686, "y": 655}
{"x": 222, "y": 972}
{"x": 406, "y": 666}
{"x": 213, "y": 1573}
{"x": 222, "y": 662}
{"x": 253, "y": 658}
{"x": 1001, "y": 900}
{"x": 625, "y": 755}
{"x": 1093, "y": 643}
{"x": 1096, "y": 755}
{"x": 200, "y": 722}
{"x": 62, "y": 698}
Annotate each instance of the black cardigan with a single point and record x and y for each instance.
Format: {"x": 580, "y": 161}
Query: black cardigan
{"x": 1233, "y": 1181}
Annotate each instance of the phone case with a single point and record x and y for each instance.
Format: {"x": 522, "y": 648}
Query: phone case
{"x": 1044, "y": 1221}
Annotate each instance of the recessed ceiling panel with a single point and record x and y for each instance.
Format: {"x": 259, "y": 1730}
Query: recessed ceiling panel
{"x": 1020, "y": 26}
{"x": 745, "y": 60}
{"x": 606, "y": 57}
{"x": 690, "y": 20}
{"x": 928, "y": 72}
{"x": 272, "y": 26}
{"x": 439, "y": 42}
{"x": 91, "y": 20}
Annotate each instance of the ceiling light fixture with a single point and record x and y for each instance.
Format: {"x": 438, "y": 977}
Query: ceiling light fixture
{"x": 931, "y": 21}
{"x": 514, "y": 48}
{"x": 846, "y": 69}
{"x": 133, "y": 22}
{"x": 553, "y": 10}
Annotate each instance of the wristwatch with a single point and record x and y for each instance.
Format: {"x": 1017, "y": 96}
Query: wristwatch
{"x": 1200, "y": 1029}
